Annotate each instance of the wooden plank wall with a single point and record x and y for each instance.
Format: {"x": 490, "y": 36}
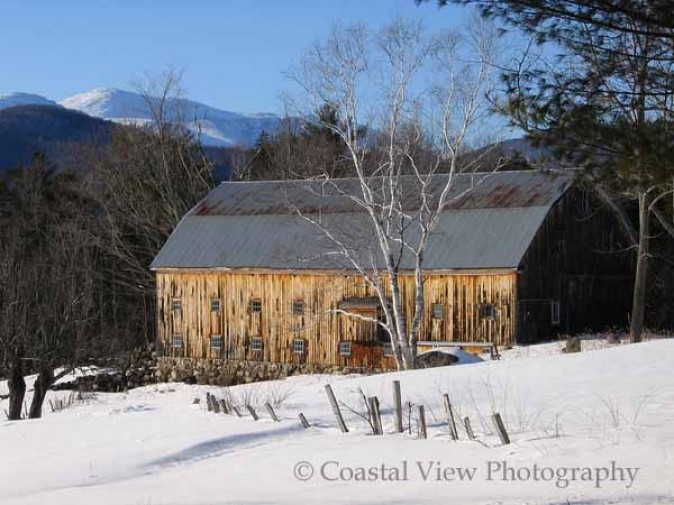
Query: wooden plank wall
{"x": 322, "y": 329}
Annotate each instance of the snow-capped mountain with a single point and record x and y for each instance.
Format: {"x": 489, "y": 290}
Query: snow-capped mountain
{"x": 216, "y": 127}
{"x": 16, "y": 99}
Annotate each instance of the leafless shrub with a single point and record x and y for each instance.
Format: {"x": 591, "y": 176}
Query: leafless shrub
{"x": 360, "y": 408}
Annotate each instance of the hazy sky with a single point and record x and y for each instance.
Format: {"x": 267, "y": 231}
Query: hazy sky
{"x": 233, "y": 52}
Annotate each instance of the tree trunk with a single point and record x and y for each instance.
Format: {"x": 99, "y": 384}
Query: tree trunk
{"x": 637, "y": 321}
{"x": 44, "y": 380}
{"x": 409, "y": 358}
{"x": 17, "y": 391}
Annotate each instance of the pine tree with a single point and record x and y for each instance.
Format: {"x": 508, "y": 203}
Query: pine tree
{"x": 606, "y": 103}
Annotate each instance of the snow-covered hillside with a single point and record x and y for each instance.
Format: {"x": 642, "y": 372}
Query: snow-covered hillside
{"x": 15, "y": 99}
{"x": 590, "y": 428}
{"x": 216, "y": 127}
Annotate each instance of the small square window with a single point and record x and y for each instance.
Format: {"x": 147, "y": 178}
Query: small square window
{"x": 345, "y": 348}
{"x": 438, "y": 311}
{"x": 256, "y": 344}
{"x": 488, "y": 311}
{"x": 298, "y": 307}
{"x": 216, "y": 341}
{"x": 176, "y": 305}
{"x": 298, "y": 346}
{"x": 256, "y": 306}
{"x": 177, "y": 341}
{"x": 555, "y": 312}
{"x": 215, "y": 305}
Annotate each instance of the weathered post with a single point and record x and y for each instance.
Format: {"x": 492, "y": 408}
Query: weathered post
{"x": 422, "y": 423}
{"x": 304, "y": 421}
{"x": 376, "y": 415}
{"x": 252, "y": 412}
{"x": 216, "y": 405}
{"x": 236, "y": 411}
{"x": 469, "y": 428}
{"x": 209, "y": 405}
{"x": 223, "y": 406}
{"x": 270, "y": 409}
{"x": 450, "y": 419}
{"x": 335, "y": 409}
{"x": 500, "y": 428}
{"x": 397, "y": 407}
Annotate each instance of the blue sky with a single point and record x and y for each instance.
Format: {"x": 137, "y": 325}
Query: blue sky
{"x": 233, "y": 52}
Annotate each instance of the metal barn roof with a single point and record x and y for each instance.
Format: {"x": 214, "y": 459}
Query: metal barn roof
{"x": 489, "y": 222}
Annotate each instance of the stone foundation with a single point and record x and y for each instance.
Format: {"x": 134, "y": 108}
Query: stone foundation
{"x": 143, "y": 366}
{"x": 220, "y": 372}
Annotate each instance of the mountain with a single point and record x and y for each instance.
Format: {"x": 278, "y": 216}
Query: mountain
{"x": 26, "y": 129}
{"x": 15, "y": 99}
{"x": 216, "y": 127}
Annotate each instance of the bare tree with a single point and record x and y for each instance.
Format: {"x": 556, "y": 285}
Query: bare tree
{"x": 145, "y": 180}
{"x": 399, "y": 133}
{"x": 46, "y": 282}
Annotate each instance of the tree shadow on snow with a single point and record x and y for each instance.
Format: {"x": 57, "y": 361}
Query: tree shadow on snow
{"x": 219, "y": 446}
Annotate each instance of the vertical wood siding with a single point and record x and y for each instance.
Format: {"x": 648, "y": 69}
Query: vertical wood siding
{"x": 461, "y": 296}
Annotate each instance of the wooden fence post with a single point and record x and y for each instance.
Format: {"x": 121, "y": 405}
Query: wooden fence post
{"x": 398, "y": 407}
{"x": 469, "y": 428}
{"x": 335, "y": 409}
{"x": 304, "y": 421}
{"x": 450, "y": 419}
{"x": 422, "y": 423}
{"x": 236, "y": 411}
{"x": 270, "y": 409}
{"x": 216, "y": 405}
{"x": 500, "y": 428}
{"x": 223, "y": 406}
{"x": 209, "y": 405}
{"x": 376, "y": 415}
{"x": 252, "y": 413}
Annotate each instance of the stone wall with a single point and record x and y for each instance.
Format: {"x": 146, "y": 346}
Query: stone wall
{"x": 143, "y": 366}
{"x": 231, "y": 372}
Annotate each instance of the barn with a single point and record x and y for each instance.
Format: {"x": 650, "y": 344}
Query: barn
{"x": 516, "y": 258}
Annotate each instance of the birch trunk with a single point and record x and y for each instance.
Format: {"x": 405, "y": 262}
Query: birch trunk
{"x": 639, "y": 294}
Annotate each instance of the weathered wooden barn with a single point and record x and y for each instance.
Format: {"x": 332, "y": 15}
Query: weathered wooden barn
{"x": 519, "y": 258}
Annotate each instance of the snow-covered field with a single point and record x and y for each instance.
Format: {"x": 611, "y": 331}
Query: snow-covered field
{"x": 609, "y": 413}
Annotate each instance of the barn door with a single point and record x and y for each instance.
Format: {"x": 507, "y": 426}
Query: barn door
{"x": 534, "y": 321}
{"x": 360, "y": 325}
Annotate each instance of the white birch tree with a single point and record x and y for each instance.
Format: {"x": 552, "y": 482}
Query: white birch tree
{"x": 408, "y": 106}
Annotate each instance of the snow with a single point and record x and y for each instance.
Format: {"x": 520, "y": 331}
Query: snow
{"x": 16, "y": 99}
{"x": 609, "y": 408}
{"x": 217, "y": 127}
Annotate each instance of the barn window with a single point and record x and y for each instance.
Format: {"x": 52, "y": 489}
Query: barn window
{"x": 438, "y": 311}
{"x": 555, "y": 312}
{"x": 345, "y": 348}
{"x": 215, "y": 305}
{"x": 256, "y": 306}
{"x": 298, "y": 346}
{"x": 298, "y": 307}
{"x": 177, "y": 341}
{"x": 256, "y": 344}
{"x": 488, "y": 311}
{"x": 216, "y": 341}
{"x": 176, "y": 305}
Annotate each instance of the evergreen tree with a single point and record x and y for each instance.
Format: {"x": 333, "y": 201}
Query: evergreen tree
{"x": 606, "y": 103}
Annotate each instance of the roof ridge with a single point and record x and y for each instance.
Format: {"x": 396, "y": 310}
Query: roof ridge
{"x": 545, "y": 171}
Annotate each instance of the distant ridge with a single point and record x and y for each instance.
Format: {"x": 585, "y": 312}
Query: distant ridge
{"x": 17, "y": 99}
{"x": 215, "y": 126}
